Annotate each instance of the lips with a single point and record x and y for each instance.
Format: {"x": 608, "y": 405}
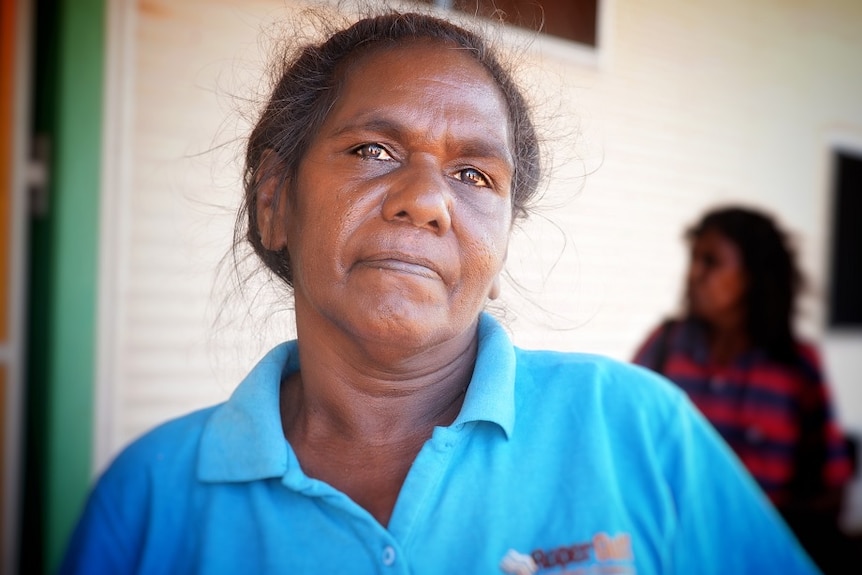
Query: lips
{"x": 401, "y": 262}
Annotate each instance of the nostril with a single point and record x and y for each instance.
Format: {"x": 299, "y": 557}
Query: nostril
{"x": 404, "y": 215}
{"x": 418, "y": 203}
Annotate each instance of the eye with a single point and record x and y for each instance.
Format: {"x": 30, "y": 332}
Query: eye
{"x": 372, "y": 152}
{"x": 709, "y": 260}
{"x": 473, "y": 177}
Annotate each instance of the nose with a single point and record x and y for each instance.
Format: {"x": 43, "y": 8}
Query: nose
{"x": 420, "y": 196}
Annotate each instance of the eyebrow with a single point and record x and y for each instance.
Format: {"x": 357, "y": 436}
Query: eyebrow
{"x": 471, "y": 147}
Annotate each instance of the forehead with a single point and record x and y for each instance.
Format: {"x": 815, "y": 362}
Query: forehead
{"x": 715, "y": 241}
{"x": 420, "y": 78}
{"x": 417, "y": 57}
{"x": 712, "y": 235}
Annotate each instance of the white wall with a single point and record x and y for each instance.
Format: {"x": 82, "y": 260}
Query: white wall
{"x": 686, "y": 104}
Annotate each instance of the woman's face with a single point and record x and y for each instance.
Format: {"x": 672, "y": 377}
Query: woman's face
{"x": 717, "y": 280}
{"x": 399, "y": 219}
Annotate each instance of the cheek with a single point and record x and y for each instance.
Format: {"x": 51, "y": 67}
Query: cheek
{"x": 730, "y": 287}
{"x": 310, "y": 244}
{"x": 320, "y": 219}
{"x": 495, "y": 227}
{"x": 484, "y": 254}
{"x": 739, "y": 288}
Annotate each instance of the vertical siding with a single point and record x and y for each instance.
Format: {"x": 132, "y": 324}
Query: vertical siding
{"x": 165, "y": 353}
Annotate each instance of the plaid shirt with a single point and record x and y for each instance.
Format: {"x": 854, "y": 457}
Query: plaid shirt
{"x": 776, "y": 417}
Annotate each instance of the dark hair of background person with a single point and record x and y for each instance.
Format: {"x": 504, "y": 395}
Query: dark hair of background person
{"x": 310, "y": 83}
{"x": 774, "y": 278}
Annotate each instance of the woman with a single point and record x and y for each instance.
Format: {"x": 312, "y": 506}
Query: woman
{"x": 735, "y": 354}
{"x": 401, "y": 431}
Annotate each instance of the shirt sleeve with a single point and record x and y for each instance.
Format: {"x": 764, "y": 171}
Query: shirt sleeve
{"x": 823, "y": 462}
{"x": 112, "y": 528}
{"x": 100, "y": 542}
{"x": 725, "y": 523}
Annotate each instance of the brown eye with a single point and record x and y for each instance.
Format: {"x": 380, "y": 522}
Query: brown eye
{"x": 473, "y": 177}
{"x": 372, "y": 152}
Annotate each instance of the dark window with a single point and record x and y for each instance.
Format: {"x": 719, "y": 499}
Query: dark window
{"x": 845, "y": 292}
{"x": 570, "y": 19}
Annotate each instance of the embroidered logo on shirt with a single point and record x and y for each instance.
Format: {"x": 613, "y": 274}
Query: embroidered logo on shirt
{"x": 515, "y": 563}
{"x": 603, "y": 555}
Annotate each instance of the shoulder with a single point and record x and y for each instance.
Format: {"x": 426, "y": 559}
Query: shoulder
{"x": 169, "y": 449}
{"x": 667, "y": 336}
{"x": 591, "y": 370}
{"x": 146, "y": 483}
{"x": 597, "y": 383}
{"x": 809, "y": 355}
{"x": 804, "y": 368}
{"x": 657, "y": 332}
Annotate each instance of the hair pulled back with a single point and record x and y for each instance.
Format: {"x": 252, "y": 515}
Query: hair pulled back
{"x": 308, "y": 87}
{"x": 774, "y": 279}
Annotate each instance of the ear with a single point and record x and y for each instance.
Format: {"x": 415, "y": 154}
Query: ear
{"x": 494, "y": 292}
{"x": 496, "y": 288}
{"x": 271, "y": 207}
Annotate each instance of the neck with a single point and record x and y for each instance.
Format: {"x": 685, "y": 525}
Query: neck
{"x": 728, "y": 340}
{"x": 370, "y": 393}
{"x": 359, "y": 410}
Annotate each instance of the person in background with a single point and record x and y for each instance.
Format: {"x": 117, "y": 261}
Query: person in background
{"x": 735, "y": 353}
{"x": 402, "y": 431}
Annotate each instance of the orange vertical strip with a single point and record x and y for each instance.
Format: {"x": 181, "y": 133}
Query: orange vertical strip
{"x": 3, "y": 407}
{"x": 8, "y": 38}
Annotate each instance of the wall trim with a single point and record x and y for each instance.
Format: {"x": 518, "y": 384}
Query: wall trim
{"x": 843, "y": 140}
{"x": 117, "y": 131}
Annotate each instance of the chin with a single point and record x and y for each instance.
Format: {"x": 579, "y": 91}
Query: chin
{"x": 693, "y": 307}
{"x": 409, "y": 328}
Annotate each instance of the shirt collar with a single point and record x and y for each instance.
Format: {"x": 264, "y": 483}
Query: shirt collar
{"x": 491, "y": 394}
{"x": 694, "y": 342}
{"x": 243, "y": 439}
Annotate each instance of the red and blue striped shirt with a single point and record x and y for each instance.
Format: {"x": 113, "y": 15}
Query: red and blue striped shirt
{"x": 777, "y": 417}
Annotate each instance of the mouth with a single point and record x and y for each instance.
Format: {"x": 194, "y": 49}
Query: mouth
{"x": 402, "y": 263}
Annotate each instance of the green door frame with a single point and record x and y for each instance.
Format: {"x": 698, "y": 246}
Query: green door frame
{"x": 62, "y": 318}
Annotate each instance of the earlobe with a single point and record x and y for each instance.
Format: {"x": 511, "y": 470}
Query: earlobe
{"x": 496, "y": 287}
{"x": 494, "y": 292}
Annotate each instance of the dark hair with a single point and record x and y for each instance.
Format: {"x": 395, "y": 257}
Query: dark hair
{"x": 309, "y": 84}
{"x": 774, "y": 279}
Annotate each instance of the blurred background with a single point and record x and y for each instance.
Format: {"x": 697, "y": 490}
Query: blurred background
{"x": 121, "y": 132}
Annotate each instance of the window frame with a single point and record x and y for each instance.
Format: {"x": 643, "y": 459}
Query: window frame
{"x": 547, "y": 46}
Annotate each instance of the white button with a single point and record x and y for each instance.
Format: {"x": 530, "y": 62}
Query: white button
{"x": 388, "y": 555}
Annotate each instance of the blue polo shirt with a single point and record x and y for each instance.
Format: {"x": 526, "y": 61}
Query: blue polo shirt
{"x": 558, "y": 462}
